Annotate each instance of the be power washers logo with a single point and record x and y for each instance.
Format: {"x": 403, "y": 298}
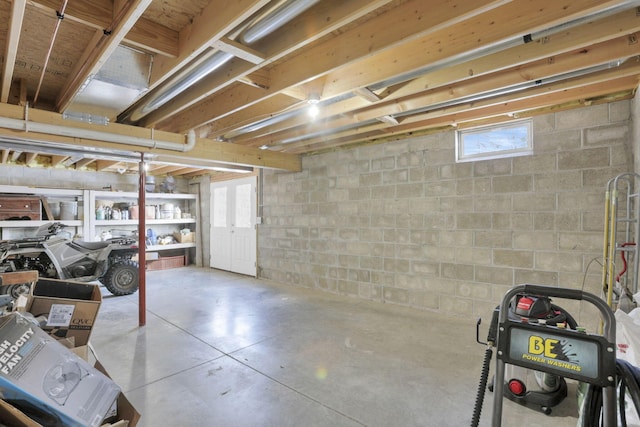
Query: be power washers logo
{"x": 553, "y": 353}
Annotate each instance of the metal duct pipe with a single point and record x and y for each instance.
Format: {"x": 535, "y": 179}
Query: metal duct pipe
{"x": 196, "y": 72}
{"x": 280, "y": 16}
{"x": 451, "y": 61}
{"x": 29, "y": 126}
{"x": 503, "y": 45}
{"x": 510, "y": 89}
{"x": 471, "y": 98}
{"x": 213, "y": 60}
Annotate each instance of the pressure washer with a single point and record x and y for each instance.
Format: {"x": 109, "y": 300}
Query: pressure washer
{"x": 539, "y": 344}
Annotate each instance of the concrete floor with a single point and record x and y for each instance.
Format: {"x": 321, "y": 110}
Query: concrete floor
{"x": 220, "y": 349}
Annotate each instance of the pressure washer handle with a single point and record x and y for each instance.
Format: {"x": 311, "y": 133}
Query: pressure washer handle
{"x": 608, "y": 317}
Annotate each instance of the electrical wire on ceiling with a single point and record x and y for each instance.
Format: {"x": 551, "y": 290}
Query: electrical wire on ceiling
{"x": 60, "y": 17}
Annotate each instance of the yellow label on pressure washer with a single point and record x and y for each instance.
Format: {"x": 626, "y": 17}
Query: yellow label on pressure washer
{"x": 544, "y": 350}
{"x": 539, "y": 345}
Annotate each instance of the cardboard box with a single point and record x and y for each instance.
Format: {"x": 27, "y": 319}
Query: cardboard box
{"x": 126, "y": 416}
{"x": 39, "y": 375}
{"x": 184, "y": 237}
{"x": 70, "y": 308}
{"x": 12, "y": 417}
{"x": 167, "y": 262}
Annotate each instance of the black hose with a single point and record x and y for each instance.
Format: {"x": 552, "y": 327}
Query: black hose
{"x": 627, "y": 382}
{"x": 481, "y": 387}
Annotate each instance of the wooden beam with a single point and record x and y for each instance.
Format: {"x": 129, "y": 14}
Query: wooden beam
{"x": 105, "y": 164}
{"x": 205, "y": 153}
{"x": 263, "y": 110}
{"x": 533, "y": 73}
{"x": 98, "y": 14}
{"x": 600, "y": 54}
{"x": 459, "y": 39}
{"x": 579, "y": 37}
{"x": 186, "y": 171}
{"x": 57, "y": 160}
{"x": 214, "y": 22}
{"x": 564, "y": 92}
{"x": 84, "y": 162}
{"x": 165, "y": 169}
{"x": 239, "y": 50}
{"x": 30, "y": 158}
{"x": 587, "y": 39}
{"x": 430, "y": 39}
{"x": 11, "y": 46}
{"x": 367, "y": 94}
{"x": 15, "y": 155}
{"x": 101, "y": 51}
{"x": 23, "y": 101}
{"x": 323, "y": 18}
{"x": 259, "y": 79}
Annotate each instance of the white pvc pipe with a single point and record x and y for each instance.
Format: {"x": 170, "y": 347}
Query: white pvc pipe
{"x": 29, "y": 126}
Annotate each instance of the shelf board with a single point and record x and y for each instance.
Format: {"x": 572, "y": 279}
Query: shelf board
{"x": 32, "y": 224}
{"x": 108, "y": 222}
{"x": 20, "y": 189}
{"x": 152, "y": 248}
{"x": 115, "y": 195}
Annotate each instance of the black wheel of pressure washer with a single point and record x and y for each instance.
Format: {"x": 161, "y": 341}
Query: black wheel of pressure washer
{"x": 121, "y": 278}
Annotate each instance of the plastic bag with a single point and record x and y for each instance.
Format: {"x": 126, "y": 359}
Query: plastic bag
{"x": 628, "y": 348}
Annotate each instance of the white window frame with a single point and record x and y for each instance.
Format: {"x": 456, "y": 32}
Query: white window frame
{"x": 462, "y": 135}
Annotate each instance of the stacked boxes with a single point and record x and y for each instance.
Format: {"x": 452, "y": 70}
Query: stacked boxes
{"x": 40, "y": 375}
{"x": 42, "y": 378}
{"x": 70, "y": 308}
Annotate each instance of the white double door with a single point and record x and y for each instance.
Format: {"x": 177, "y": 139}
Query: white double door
{"x": 233, "y": 225}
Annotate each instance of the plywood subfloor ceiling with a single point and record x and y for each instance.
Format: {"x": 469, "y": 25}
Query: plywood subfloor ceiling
{"x": 245, "y": 73}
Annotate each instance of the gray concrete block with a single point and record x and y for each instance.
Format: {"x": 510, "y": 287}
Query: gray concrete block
{"x": 409, "y": 190}
{"x": 534, "y": 202}
{"x": 513, "y": 258}
{"x": 475, "y": 221}
{"x": 492, "y": 167}
{"x": 536, "y": 164}
{"x": 512, "y": 184}
{"x": 543, "y": 221}
{"x": 579, "y": 117}
{"x": 558, "y": 261}
{"x": 495, "y": 203}
{"x": 557, "y": 141}
{"x": 535, "y": 277}
{"x": 491, "y": 274}
{"x": 584, "y": 159}
{"x": 606, "y": 135}
{"x": 536, "y": 240}
{"x": 620, "y": 111}
{"x": 561, "y": 181}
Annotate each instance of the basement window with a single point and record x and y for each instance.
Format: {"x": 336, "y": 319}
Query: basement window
{"x": 494, "y": 141}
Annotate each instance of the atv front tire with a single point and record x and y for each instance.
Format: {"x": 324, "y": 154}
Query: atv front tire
{"x": 121, "y": 278}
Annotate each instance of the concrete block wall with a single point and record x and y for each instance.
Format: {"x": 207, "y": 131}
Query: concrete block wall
{"x": 403, "y": 223}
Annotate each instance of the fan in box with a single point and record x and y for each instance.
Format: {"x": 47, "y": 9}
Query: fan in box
{"x": 60, "y": 381}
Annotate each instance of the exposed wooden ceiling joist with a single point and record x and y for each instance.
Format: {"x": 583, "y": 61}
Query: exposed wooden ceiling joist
{"x": 382, "y": 69}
